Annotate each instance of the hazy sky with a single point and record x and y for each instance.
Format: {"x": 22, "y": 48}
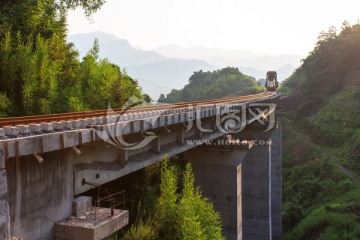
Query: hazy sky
{"x": 277, "y": 26}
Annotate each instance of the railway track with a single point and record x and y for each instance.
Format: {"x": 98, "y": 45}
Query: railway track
{"x": 50, "y": 118}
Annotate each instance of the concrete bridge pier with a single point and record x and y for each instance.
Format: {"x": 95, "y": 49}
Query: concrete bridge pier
{"x": 244, "y": 185}
{"x": 219, "y": 176}
{"x": 276, "y": 181}
{"x": 261, "y": 187}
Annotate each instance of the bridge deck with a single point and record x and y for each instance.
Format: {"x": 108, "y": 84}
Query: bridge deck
{"x": 53, "y": 118}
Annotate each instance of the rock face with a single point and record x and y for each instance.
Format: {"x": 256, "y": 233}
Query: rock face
{"x": 4, "y": 204}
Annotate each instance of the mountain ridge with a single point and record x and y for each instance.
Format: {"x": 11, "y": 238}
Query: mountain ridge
{"x": 237, "y": 58}
{"x": 157, "y": 71}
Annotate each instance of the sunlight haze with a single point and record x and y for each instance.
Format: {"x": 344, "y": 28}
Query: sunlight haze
{"x": 277, "y": 27}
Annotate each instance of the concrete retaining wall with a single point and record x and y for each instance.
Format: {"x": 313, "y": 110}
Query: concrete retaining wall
{"x": 4, "y": 204}
{"x": 39, "y": 193}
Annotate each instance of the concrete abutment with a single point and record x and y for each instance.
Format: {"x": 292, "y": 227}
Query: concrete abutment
{"x": 40, "y": 194}
{"x": 4, "y": 200}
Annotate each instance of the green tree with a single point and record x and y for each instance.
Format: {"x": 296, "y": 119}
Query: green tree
{"x": 38, "y": 68}
{"x": 41, "y": 73}
{"x": 28, "y": 75}
{"x": 167, "y": 205}
{"x": 147, "y": 98}
{"x": 161, "y": 98}
{"x": 188, "y": 215}
{"x": 94, "y": 51}
{"x": 224, "y": 82}
{"x": 197, "y": 218}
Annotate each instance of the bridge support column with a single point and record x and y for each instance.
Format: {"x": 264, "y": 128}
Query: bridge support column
{"x": 4, "y": 201}
{"x": 256, "y": 191}
{"x": 219, "y": 175}
{"x": 244, "y": 185}
{"x": 276, "y": 182}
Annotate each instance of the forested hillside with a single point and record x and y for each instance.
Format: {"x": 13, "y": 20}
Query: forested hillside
{"x": 321, "y": 188}
{"x": 40, "y": 72}
{"x": 225, "y": 82}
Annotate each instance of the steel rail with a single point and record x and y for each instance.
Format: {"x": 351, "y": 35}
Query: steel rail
{"x": 47, "y": 118}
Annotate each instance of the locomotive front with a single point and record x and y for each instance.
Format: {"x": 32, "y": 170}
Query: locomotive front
{"x": 271, "y": 82}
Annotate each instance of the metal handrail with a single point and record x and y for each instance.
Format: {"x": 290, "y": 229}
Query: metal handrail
{"x": 113, "y": 196}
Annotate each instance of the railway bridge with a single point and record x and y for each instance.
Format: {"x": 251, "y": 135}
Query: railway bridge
{"x": 47, "y": 162}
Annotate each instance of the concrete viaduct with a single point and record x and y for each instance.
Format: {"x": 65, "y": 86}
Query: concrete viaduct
{"x": 234, "y": 146}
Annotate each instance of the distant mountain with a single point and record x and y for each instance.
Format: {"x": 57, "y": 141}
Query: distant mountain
{"x": 152, "y": 88}
{"x": 162, "y": 69}
{"x": 84, "y": 41}
{"x": 172, "y": 73}
{"x": 253, "y": 64}
{"x": 155, "y": 73}
{"x": 282, "y": 72}
{"x": 116, "y": 50}
{"x": 266, "y": 62}
{"x": 285, "y": 71}
{"x": 200, "y": 52}
{"x": 253, "y": 72}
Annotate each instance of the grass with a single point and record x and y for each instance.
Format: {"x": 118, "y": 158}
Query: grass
{"x": 286, "y": 91}
{"x": 339, "y": 119}
{"x": 337, "y": 220}
{"x": 320, "y": 201}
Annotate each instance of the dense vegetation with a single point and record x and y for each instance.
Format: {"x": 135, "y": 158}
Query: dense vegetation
{"x": 225, "y": 82}
{"x": 41, "y": 73}
{"x": 321, "y": 136}
{"x": 164, "y": 204}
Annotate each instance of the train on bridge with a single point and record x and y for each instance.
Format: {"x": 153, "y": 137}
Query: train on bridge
{"x": 271, "y": 83}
